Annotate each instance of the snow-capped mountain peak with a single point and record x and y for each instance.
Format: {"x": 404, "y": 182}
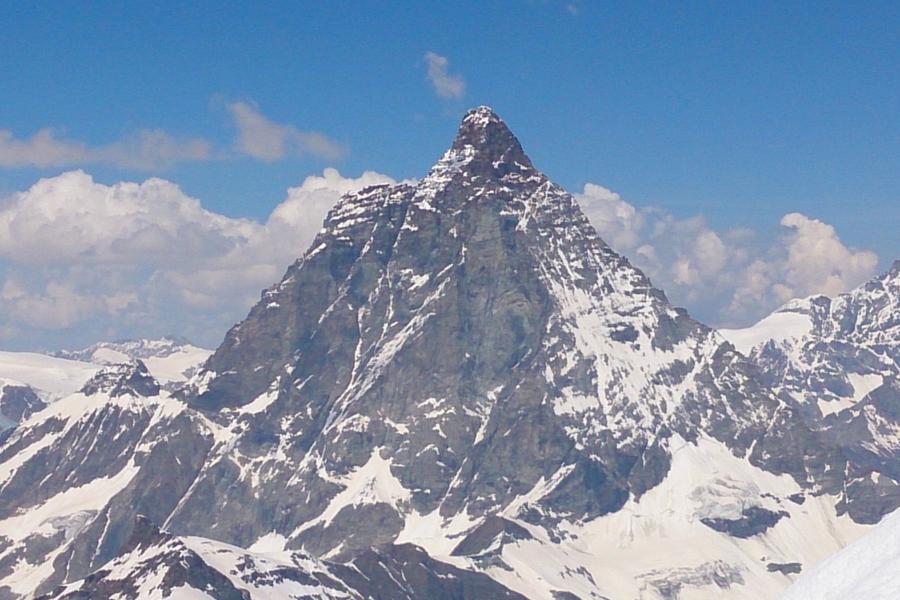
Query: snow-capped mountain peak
{"x": 459, "y": 363}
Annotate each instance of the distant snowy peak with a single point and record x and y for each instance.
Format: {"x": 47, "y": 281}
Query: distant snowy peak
{"x": 868, "y": 314}
{"x": 786, "y": 324}
{"x": 830, "y": 353}
{"x": 838, "y": 361}
{"x": 121, "y": 351}
{"x": 171, "y": 359}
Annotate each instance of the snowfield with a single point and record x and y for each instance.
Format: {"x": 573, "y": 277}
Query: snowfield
{"x": 779, "y": 326}
{"x": 868, "y": 569}
{"x": 55, "y": 377}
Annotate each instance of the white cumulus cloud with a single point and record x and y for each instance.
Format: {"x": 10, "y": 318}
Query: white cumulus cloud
{"x": 727, "y": 277}
{"x": 810, "y": 259}
{"x": 119, "y": 259}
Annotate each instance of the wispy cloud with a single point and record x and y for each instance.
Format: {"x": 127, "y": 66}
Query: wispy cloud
{"x": 267, "y": 140}
{"x": 148, "y": 149}
{"x": 445, "y": 84}
{"x": 154, "y": 149}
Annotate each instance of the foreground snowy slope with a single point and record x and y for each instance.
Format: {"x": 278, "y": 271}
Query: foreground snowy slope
{"x": 463, "y": 365}
{"x": 866, "y": 569}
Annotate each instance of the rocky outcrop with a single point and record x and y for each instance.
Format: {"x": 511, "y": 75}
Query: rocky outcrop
{"x": 154, "y": 563}
{"x": 17, "y": 403}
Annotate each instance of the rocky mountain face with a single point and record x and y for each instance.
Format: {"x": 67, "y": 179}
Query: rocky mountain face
{"x": 458, "y": 377}
{"x": 838, "y": 361}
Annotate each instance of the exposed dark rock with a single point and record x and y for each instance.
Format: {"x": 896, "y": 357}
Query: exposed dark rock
{"x": 18, "y": 402}
{"x": 494, "y": 531}
{"x": 753, "y": 521}
{"x": 378, "y": 573}
{"x": 785, "y": 568}
{"x": 118, "y": 380}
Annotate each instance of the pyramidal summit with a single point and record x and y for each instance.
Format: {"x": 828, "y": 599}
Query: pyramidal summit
{"x": 461, "y": 391}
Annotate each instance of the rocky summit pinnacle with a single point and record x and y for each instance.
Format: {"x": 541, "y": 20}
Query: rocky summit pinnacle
{"x": 487, "y": 145}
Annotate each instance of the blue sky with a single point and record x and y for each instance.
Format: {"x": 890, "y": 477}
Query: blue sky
{"x": 737, "y": 112}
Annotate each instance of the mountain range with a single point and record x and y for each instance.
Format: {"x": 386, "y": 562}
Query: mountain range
{"x": 461, "y": 391}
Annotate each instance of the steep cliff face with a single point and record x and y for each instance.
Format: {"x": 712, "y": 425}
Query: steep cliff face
{"x": 459, "y": 363}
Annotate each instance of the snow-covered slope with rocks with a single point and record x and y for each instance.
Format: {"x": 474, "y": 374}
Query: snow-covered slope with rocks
{"x": 156, "y": 564}
{"x": 838, "y": 361}
{"x": 459, "y": 365}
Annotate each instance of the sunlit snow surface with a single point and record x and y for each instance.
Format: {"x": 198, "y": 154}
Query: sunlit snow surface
{"x": 868, "y": 569}
{"x": 53, "y": 376}
{"x": 659, "y": 539}
{"x": 778, "y": 326}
